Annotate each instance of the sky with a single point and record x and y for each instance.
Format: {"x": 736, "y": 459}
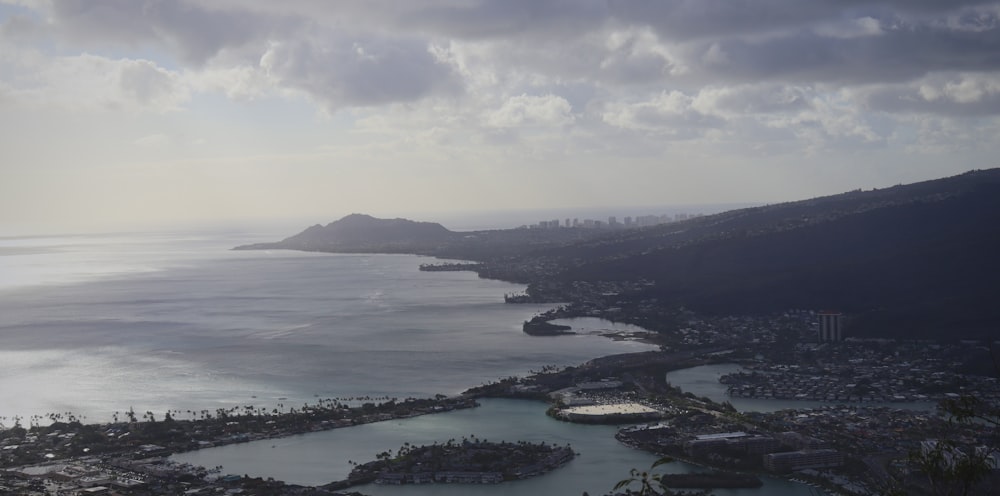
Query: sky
{"x": 117, "y": 114}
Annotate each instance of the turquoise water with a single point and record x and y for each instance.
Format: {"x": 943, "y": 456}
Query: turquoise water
{"x": 318, "y": 458}
{"x": 703, "y": 381}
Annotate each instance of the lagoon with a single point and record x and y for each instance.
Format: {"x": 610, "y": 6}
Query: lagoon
{"x": 322, "y": 457}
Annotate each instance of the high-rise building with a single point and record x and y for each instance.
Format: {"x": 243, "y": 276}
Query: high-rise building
{"x": 831, "y": 326}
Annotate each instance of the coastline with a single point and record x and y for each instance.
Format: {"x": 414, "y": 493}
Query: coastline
{"x": 231, "y": 434}
{"x": 173, "y": 434}
{"x": 230, "y": 426}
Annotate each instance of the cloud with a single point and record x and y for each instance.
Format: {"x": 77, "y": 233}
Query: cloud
{"x": 147, "y": 84}
{"x": 712, "y": 41}
{"x": 91, "y": 82}
{"x": 713, "y": 19}
{"x": 243, "y": 82}
{"x": 359, "y": 72}
{"x": 901, "y": 52}
{"x": 752, "y": 99}
{"x": 670, "y": 113}
{"x": 368, "y": 53}
{"x": 954, "y": 94}
{"x": 525, "y": 110}
{"x": 481, "y": 84}
{"x": 195, "y": 31}
{"x": 485, "y": 19}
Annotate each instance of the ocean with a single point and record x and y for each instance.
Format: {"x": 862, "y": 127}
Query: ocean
{"x": 95, "y": 325}
{"x": 98, "y": 324}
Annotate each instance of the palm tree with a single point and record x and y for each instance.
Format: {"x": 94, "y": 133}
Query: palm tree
{"x": 646, "y": 480}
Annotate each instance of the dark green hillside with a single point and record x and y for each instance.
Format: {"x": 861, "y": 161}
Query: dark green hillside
{"x": 771, "y": 218}
{"x": 913, "y": 261}
{"x": 918, "y": 260}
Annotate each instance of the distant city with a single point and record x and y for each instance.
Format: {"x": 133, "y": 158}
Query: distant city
{"x": 612, "y": 222}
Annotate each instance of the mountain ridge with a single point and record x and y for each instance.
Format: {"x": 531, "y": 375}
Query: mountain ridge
{"x": 922, "y": 264}
{"x": 914, "y": 261}
{"x": 361, "y": 232}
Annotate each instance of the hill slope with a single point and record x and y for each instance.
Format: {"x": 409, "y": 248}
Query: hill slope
{"x": 912, "y": 261}
{"x": 364, "y": 233}
{"x": 359, "y": 233}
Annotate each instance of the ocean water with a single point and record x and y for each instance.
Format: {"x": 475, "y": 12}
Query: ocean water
{"x": 321, "y": 457}
{"x": 99, "y": 324}
{"x": 703, "y": 381}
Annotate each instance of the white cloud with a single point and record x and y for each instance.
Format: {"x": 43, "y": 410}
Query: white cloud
{"x": 955, "y": 94}
{"x": 464, "y": 89}
{"x": 91, "y": 82}
{"x": 973, "y": 88}
{"x": 238, "y": 82}
{"x": 751, "y": 99}
{"x": 525, "y": 110}
{"x": 670, "y": 113}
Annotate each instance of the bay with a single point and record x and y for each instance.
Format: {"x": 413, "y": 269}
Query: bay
{"x": 98, "y": 324}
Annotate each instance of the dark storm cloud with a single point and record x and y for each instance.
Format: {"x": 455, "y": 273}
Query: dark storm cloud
{"x": 696, "y": 19}
{"x": 897, "y": 54}
{"x": 761, "y": 39}
{"x": 722, "y": 42}
{"x": 486, "y": 18}
{"x": 370, "y": 53}
{"x": 332, "y": 66}
{"x": 359, "y": 73}
{"x": 195, "y": 31}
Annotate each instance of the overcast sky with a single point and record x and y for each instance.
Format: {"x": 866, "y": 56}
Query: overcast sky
{"x": 115, "y": 113}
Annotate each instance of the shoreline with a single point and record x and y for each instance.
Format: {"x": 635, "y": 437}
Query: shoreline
{"x": 118, "y": 443}
{"x": 467, "y": 399}
{"x": 239, "y": 427}
{"x": 169, "y": 436}
{"x": 141, "y": 436}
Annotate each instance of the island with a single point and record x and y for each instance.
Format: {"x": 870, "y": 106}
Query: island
{"x": 471, "y": 461}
